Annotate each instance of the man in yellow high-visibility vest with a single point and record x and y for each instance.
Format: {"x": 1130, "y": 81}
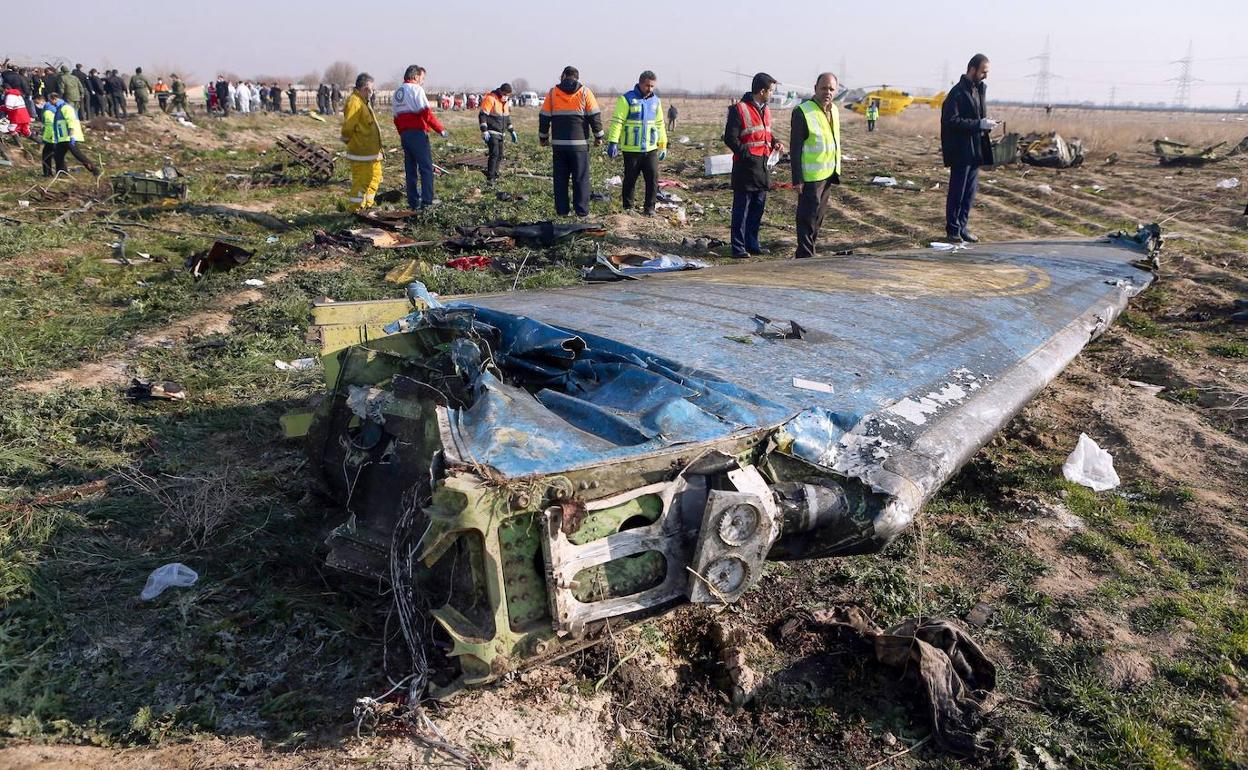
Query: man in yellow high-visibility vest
{"x": 815, "y": 139}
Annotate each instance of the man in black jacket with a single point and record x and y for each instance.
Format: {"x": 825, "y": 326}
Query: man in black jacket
{"x": 95, "y": 92}
{"x": 751, "y": 146}
{"x": 223, "y": 95}
{"x": 117, "y": 94}
{"x": 964, "y": 145}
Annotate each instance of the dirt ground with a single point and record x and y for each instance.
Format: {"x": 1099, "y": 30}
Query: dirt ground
{"x": 1118, "y": 621}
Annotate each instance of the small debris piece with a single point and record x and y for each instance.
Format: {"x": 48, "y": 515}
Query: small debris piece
{"x": 256, "y": 282}
{"x": 477, "y": 262}
{"x": 148, "y": 188}
{"x": 818, "y": 387}
{"x": 165, "y": 390}
{"x": 884, "y": 181}
{"x": 1090, "y": 466}
{"x": 953, "y": 673}
{"x": 1228, "y": 184}
{"x": 317, "y": 160}
{"x": 220, "y": 258}
{"x": 297, "y": 365}
{"x": 175, "y": 575}
{"x": 979, "y": 615}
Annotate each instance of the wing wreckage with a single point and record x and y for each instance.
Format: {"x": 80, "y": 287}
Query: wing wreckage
{"x": 524, "y": 467}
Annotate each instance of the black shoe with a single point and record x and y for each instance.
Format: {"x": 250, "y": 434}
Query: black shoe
{"x": 735, "y": 255}
{"x": 648, "y": 213}
{"x": 953, "y": 238}
{"x": 1240, "y": 318}
{"x": 802, "y": 255}
{"x": 761, "y": 252}
{"x": 1241, "y": 303}
{"x": 969, "y": 237}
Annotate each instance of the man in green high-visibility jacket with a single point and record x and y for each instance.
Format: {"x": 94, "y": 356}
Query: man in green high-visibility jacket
{"x": 873, "y": 114}
{"x": 63, "y": 131}
{"x": 638, "y": 131}
{"x": 815, "y": 139}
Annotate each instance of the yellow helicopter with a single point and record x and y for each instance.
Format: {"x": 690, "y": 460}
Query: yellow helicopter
{"x": 891, "y": 101}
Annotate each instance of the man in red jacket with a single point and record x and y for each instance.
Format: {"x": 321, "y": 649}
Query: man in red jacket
{"x": 14, "y": 109}
{"x": 414, "y": 118}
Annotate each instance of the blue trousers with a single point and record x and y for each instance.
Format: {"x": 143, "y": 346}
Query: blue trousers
{"x": 747, "y": 216}
{"x": 417, "y": 165}
{"x": 963, "y": 184}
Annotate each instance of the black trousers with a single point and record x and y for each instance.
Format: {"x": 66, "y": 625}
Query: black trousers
{"x": 65, "y": 148}
{"x": 571, "y": 165}
{"x": 644, "y": 164}
{"x": 119, "y": 105}
{"x": 963, "y": 184}
{"x": 48, "y": 156}
{"x": 292, "y": 102}
{"x": 496, "y": 157}
{"x": 812, "y": 205}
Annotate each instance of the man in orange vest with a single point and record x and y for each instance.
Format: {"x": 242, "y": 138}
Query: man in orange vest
{"x": 747, "y": 133}
{"x": 495, "y": 119}
{"x": 569, "y": 116}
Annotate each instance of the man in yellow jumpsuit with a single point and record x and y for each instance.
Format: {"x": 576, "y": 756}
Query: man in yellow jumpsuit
{"x": 363, "y": 138}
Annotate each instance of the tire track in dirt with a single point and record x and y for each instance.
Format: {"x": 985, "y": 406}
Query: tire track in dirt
{"x": 1056, "y": 217}
{"x": 216, "y": 319}
{"x": 1119, "y": 213}
{"x": 895, "y": 226}
{"x": 1004, "y": 211}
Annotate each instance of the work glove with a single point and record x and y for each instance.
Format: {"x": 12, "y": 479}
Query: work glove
{"x": 613, "y": 150}
{"x": 73, "y": 142}
{"x": 663, "y": 154}
{"x": 485, "y": 136}
{"x": 836, "y": 178}
{"x": 544, "y": 142}
{"x": 515, "y": 138}
{"x": 597, "y": 141}
{"x": 444, "y": 133}
{"x": 987, "y": 124}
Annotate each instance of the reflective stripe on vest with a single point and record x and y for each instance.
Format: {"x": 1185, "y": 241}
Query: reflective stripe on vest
{"x": 821, "y": 152}
{"x": 755, "y": 136}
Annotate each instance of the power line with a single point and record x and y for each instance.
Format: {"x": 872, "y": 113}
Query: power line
{"x": 1041, "y": 95}
{"x": 1183, "y": 91}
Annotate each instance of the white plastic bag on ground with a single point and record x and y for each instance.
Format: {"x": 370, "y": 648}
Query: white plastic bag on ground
{"x": 176, "y": 574}
{"x": 1229, "y": 184}
{"x": 1090, "y": 466}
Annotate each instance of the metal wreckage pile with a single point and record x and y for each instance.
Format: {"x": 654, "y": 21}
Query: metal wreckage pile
{"x": 522, "y": 468}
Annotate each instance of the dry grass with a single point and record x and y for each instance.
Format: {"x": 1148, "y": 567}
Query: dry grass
{"x": 195, "y": 508}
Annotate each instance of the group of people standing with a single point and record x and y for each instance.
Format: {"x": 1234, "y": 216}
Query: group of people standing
{"x": 570, "y": 121}
{"x": 91, "y": 92}
{"x": 243, "y": 96}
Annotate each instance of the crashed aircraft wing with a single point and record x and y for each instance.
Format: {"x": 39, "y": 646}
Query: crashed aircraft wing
{"x": 560, "y": 458}
{"x": 925, "y": 355}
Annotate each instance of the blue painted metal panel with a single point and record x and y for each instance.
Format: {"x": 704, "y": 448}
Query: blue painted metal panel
{"x": 902, "y": 339}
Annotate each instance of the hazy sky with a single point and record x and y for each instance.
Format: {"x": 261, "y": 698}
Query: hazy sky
{"x": 1096, "y": 45}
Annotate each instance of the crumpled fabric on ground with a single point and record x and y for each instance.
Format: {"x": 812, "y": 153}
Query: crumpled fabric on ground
{"x": 954, "y": 675}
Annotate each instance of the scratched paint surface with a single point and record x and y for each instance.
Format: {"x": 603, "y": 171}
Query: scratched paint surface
{"x": 880, "y": 328}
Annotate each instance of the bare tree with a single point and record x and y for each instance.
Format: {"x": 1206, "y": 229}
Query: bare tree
{"x": 520, "y": 85}
{"x": 341, "y": 74}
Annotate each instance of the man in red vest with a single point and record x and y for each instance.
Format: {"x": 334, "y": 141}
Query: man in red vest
{"x": 748, "y": 134}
